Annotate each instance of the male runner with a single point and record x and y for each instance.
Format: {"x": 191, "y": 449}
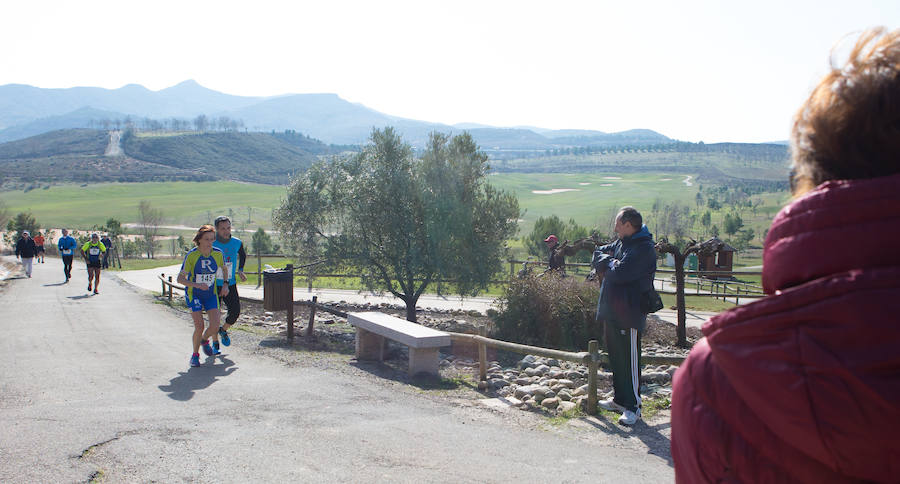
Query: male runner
{"x": 92, "y": 252}
{"x": 39, "y": 248}
{"x": 233, "y": 250}
{"x": 67, "y": 246}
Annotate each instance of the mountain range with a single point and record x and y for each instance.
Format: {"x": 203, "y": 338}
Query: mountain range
{"x": 28, "y": 111}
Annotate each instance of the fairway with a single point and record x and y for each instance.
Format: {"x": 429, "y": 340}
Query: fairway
{"x": 182, "y": 203}
{"x": 587, "y": 198}
{"x": 590, "y": 199}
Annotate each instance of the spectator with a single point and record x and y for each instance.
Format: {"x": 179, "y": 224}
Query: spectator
{"x": 804, "y": 385}
{"x": 108, "y": 244}
{"x": 628, "y": 265}
{"x": 26, "y": 250}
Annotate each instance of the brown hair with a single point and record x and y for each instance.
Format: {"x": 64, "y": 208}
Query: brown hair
{"x": 850, "y": 125}
{"x": 203, "y": 229}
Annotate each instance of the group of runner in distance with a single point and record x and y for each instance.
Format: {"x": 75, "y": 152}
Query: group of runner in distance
{"x": 204, "y": 273}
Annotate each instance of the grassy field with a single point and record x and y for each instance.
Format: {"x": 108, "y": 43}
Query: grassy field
{"x": 593, "y": 198}
{"x": 182, "y": 203}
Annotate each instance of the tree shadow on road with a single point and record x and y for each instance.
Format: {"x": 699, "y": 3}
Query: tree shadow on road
{"x": 187, "y": 383}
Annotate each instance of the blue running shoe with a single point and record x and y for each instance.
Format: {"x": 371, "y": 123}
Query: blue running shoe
{"x": 223, "y": 335}
{"x": 216, "y": 348}
{"x": 207, "y": 349}
{"x": 195, "y": 360}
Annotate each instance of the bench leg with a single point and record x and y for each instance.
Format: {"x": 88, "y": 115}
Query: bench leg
{"x": 369, "y": 346}
{"x": 423, "y": 360}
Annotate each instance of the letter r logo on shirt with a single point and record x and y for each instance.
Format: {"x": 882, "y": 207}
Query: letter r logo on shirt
{"x": 206, "y": 265}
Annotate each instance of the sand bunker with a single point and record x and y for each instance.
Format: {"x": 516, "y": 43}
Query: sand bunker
{"x": 665, "y": 179}
{"x": 606, "y": 185}
{"x": 584, "y": 183}
{"x": 554, "y": 191}
{"x": 612, "y": 178}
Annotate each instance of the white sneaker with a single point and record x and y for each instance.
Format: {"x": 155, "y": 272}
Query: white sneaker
{"x": 630, "y": 418}
{"x": 610, "y": 405}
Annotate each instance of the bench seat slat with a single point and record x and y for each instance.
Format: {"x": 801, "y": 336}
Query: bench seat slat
{"x": 400, "y": 330}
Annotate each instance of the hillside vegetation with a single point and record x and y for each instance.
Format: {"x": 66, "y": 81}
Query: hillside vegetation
{"x": 255, "y": 157}
{"x": 77, "y": 155}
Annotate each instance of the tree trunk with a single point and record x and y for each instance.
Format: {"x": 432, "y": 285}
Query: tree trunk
{"x": 411, "y": 309}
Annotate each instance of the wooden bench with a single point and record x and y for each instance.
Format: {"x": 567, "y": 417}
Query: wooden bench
{"x": 372, "y": 328}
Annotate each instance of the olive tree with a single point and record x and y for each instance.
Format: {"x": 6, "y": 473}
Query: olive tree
{"x": 404, "y": 222}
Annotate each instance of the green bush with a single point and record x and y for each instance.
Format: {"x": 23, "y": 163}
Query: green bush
{"x": 550, "y": 311}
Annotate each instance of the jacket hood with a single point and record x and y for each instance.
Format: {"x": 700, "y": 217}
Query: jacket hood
{"x": 644, "y": 233}
{"x": 816, "y": 363}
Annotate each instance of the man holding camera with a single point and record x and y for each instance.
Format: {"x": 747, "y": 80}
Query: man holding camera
{"x": 628, "y": 266}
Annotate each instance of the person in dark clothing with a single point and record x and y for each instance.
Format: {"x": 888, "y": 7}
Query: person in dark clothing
{"x": 108, "y": 244}
{"x": 26, "y": 250}
{"x": 628, "y": 266}
{"x": 235, "y": 257}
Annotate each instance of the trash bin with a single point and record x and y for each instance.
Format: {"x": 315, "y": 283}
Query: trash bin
{"x": 278, "y": 289}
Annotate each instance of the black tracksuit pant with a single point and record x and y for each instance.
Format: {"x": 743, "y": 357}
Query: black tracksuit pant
{"x": 624, "y": 348}
{"x": 67, "y": 265}
{"x": 233, "y": 302}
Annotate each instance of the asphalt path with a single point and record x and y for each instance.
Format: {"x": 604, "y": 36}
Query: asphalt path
{"x": 98, "y": 386}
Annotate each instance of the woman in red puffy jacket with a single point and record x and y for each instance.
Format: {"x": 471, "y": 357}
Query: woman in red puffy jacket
{"x": 804, "y": 385}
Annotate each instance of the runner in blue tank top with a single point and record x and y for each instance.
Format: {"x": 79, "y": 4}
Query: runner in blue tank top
{"x": 202, "y": 267}
{"x": 235, "y": 256}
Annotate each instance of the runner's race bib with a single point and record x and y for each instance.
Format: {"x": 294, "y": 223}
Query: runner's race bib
{"x": 67, "y": 252}
{"x": 94, "y": 251}
{"x": 229, "y": 265}
{"x": 205, "y": 278}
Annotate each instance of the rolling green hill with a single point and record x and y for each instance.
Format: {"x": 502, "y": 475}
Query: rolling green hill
{"x": 77, "y": 155}
{"x": 252, "y": 157}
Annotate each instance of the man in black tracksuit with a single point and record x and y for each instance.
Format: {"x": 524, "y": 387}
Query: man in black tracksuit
{"x": 628, "y": 266}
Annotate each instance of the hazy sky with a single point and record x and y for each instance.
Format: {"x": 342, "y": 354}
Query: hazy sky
{"x": 692, "y": 70}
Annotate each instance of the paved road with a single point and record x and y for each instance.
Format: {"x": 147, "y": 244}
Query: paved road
{"x": 148, "y": 279}
{"x": 101, "y": 384}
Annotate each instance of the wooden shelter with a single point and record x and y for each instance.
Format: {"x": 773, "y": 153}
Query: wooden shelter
{"x": 721, "y": 261}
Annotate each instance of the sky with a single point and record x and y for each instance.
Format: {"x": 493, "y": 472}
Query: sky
{"x": 709, "y": 71}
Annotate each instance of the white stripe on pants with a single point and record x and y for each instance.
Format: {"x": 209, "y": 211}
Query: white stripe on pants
{"x": 635, "y": 370}
{"x": 26, "y": 264}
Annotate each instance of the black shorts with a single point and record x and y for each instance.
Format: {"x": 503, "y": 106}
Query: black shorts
{"x": 94, "y": 265}
{"x": 39, "y": 249}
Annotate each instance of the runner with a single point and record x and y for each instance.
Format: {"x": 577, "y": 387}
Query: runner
{"x": 92, "y": 251}
{"x": 67, "y": 245}
{"x": 39, "y": 248}
{"x": 233, "y": 250}
{"x": 203, "y": 267}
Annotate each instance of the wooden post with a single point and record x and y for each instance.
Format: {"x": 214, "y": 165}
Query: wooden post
{"x": 482, "y": 355}
{"x": 312, "y": 317}
{"x": 593, "y": 349}
{"x": 163, "y": 283}
{"x": 170, "y": 288}
{"x": 290, "y": 308}
{"x": 309, "y": 278}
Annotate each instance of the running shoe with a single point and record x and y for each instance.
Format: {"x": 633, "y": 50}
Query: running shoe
{"x": 195, "y": 360}
{"x": 207, "y": 349}
{"x": 216, "y": 348}
{"x": 226, "y": 340}
{"x": 89, "y": 287}
{"x": 96, "y": 291}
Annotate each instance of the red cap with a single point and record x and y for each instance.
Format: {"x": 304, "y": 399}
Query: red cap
{"x": 552, "y": 238}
